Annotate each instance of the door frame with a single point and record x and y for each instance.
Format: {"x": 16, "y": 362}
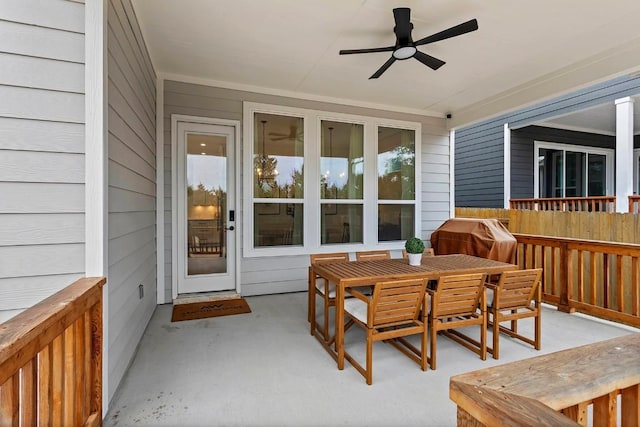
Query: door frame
{"x": 175, "y": 118}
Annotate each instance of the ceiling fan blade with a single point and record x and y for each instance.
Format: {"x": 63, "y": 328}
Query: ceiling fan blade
{"x": 384, "y": 68}
{"x": 372, "y": 50}
{"x": 428, "y": 60}
{"x": 402, "y": 16}
{"x": 465, "y": 27}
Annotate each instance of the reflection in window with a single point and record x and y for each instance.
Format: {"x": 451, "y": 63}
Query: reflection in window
{"x": 396, "y": 164}
{"x": 278, "y": 224}
{"x": 340, "y": 223}
{"x": 341, "y": 161}
{"x": 278, "y": 157}
{"x": 395, "y": 222}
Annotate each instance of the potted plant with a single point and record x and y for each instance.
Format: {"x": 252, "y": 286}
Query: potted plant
{"x": 414, "y": 247}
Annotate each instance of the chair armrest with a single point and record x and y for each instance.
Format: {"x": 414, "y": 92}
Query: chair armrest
{"x": 431, "y": 292}
{"x": 490, "y": 285}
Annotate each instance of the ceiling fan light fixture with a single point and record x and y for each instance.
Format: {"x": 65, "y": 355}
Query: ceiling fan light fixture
{"x": 404, "y": 52}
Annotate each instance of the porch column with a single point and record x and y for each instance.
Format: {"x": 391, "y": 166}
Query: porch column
{"x": 624, "y": 153}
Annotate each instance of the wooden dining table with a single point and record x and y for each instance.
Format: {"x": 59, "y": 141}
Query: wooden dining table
{"x": 361, "y": 273}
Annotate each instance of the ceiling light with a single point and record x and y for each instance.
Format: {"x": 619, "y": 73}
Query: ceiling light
{"x": 203, "y": 145}
{"x": 203, "y": 153}
{"x": 404, "y": 52}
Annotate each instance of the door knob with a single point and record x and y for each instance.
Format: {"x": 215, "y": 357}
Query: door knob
{"x": 230, "y": 228}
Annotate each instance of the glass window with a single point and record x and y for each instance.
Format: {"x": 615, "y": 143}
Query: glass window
{"x": 396, "y": 182}
{"x": 573, "y": 171}
{"x": 278, "y": 177}
{"x": 341, "y": 182}
{"x": 327, "y": 181}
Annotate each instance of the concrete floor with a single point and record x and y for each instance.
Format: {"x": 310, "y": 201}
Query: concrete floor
{"x": 264, "y": 369}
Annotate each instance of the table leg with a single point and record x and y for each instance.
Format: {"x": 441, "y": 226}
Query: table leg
{"x": 312, "y": 300}
{"x": 340, "y": 324}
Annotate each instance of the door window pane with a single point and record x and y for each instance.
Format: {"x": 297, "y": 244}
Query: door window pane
{"x": 396, "y": 164}
{"x": 340, "y": 223}
{"x": 278, "y": 156}
{"x": 597, "y": 175}
{"x": 278, "y": 224}
{"x": 395, "y": 222}
{"x": 206, "y": 204}
{"x": 575, "y": 174}
{"x": 341, "y": 160}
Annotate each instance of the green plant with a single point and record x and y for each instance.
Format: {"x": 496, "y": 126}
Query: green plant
{"x": 414, "y": 245}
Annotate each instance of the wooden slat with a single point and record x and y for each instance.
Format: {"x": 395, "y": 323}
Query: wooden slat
{"x": 604, "y": 410}
{"x": 57, "y": 380}
{"x": 29, "y": 393}
{"x": 10, "y": 402}
{"x": 577, "y": 413}
{"x": 79, "y": 369}
{"x": 69, "y": 380}
{"x": 630, "y": 406}
{"x": 45, "y": 385}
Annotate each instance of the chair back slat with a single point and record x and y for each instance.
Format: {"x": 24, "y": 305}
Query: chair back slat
{"x": 373, "y": 255}
{"x": 327, "y": 258}
{"x": 426, "y": 252}
{"x": 397, "y": 302}
{"x": 517, "y": 288}
{"x": 458, "y": 295}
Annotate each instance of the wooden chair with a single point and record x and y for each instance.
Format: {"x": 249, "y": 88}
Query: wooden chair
{"x": 457, "y": 302}
{"x": 392, "y": 311}
{"x": 517, "y": 295}
{"x": 373, "y": 255}
{"x": 327, "y": 291}
{"x": 426, "y": 252}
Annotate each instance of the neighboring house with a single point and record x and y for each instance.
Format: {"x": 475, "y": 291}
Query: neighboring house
{"x": 580, "y": 144}
{"x": 97, "y": 160}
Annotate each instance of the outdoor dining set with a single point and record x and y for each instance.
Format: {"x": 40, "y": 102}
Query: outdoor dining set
{"x": 391, "y": 300}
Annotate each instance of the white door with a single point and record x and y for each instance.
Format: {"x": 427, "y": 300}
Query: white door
{"x": 206, "y": 237}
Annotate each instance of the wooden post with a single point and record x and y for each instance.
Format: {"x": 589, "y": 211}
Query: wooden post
{"x": 566, "y": 279}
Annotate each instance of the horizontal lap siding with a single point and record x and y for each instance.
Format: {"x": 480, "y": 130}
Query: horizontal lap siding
{"x": 522, "y": 152}
{"x": 132, "y": 187}
{"x": 479, "y": 176}
{"x": 286, "y": 274}
{"x": 41, "y": 150}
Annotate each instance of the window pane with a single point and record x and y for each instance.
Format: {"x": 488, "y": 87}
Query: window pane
{"x": 341, "y": 223}
{"x": 278, "y": 156}
{"x": 278, "y": 224}
{"x": 576, "y": 174}
{"x": 396, "y": 164}
{"x": 597, "y": 175}
{"x": 550, "y": 173}
{"x": 395, "y": 222}
{"x": 341, "y": 161}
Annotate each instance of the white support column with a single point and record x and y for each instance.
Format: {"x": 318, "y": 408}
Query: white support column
{"x": 507, "y": 165}
{"x": 160, "y": 292}
{"x": 624, "y": 153}
{"x": 96, "y": 165}
{"x": 452, "y": 174}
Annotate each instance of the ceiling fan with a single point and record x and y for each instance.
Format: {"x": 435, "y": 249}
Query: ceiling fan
{"x": 406, "y": 48}
{"x": 292, "y": 135}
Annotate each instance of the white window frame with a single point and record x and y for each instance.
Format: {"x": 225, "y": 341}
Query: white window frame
{"x": 311, "y": 131}
{"x": 607, "y": 152}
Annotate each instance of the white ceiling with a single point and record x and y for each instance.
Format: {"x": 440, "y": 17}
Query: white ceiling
{"x": 524, "y": 51}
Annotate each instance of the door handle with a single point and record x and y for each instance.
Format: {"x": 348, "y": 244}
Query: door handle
{"x": 230, "y": 228}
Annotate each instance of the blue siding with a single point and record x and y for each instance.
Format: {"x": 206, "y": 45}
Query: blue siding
{"x": 479, "y": 158}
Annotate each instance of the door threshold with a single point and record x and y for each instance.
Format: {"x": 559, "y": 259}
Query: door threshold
{"x": 205, "y": 296}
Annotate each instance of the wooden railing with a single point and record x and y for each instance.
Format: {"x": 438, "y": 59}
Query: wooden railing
{"x": 575, "y": 387}
{"x": 51, "y": 360}
{"x": 634, "y": 204}
{"x": 593, "y": 277}
{"x": 573, "y": 204}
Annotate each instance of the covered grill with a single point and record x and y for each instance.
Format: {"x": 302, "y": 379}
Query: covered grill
{"x": 486, "y": 238}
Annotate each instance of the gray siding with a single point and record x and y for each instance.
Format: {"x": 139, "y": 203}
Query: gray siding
{"x": 479, "y": 158}
{"x": 132, "y": 192}
{"x": 284, "y": 274}
{"x": 41, "y": 150}
{"x": 522, "y": 144}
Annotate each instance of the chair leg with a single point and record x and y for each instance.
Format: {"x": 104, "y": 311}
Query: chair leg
{"x": 496, "y": 336}
{"x": 369, "y": 368}
{"x": 312, "y": 311}
{"x": 432, "y": 353}
{"x": 514, "y": 323}
{"x": 423, "y": 346}
{"x": 326, "y": 318}
{"x": 537, "y": 327}
{"x": 483, "y": 338}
